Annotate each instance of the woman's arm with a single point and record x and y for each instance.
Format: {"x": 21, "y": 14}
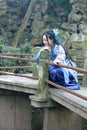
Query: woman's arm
{"x": 60, "y": 56}
{"x": 37, "y": 56}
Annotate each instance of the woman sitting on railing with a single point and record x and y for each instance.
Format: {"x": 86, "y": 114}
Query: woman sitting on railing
{"x": 59, "y": 75}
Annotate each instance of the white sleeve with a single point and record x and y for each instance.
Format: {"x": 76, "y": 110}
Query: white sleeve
{"x": 60, "y": 54}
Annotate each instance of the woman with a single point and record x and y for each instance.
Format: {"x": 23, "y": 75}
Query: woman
{"x": 45, "y": 44}
{"x": 60, "y": 75}
{"x": 45, "y": 47}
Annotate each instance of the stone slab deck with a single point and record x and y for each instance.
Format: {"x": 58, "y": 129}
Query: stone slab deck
{"x": 70, "y": 101}
{"x": 17, "y": 83}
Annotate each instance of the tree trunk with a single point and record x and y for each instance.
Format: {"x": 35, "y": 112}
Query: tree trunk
{"x": 24, "y": 23}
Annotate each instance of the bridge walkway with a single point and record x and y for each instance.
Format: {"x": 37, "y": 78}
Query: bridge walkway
{"x": 72, "y": 102}
{"x": 17, "y": 83}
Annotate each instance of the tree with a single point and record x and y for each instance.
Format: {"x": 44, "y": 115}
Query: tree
{"x": 30, "y": 9}
{"x": 3, "y": 8}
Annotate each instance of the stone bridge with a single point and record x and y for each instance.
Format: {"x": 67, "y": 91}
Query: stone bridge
{"x": 63, "y": 110}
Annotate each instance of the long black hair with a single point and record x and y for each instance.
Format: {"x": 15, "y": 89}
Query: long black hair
{"x": 51, "y": 35}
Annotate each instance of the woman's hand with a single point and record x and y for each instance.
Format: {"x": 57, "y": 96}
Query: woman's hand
{"x": 47, "y": 48}
{"x": 56, "y": 62}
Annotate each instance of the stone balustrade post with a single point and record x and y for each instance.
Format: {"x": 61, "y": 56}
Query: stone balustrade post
{"x": 43, "y": 71}
{"x": 84, "y": 82}
{"x": 41, "y": 99}
{"x": 35, "y": 71}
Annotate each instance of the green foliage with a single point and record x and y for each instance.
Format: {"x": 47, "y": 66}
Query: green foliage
{"x": 63, "y": 3}
{"x": 3, "y": 21}
{"x": 8, "y": 62}
{"x": 23, "y": 1}
{"x": 1, "y": 41}
{"x": 56, "y": 1}
{"x": 1, "y": 44}
{"x": 26, "y": 48}
{"x": 60, "y": 10}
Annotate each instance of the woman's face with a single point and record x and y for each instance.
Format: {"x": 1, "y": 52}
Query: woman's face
{"x": 45, "y": 40}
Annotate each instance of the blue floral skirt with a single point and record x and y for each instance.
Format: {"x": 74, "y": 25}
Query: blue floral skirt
{"x": 56, "y": 75}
